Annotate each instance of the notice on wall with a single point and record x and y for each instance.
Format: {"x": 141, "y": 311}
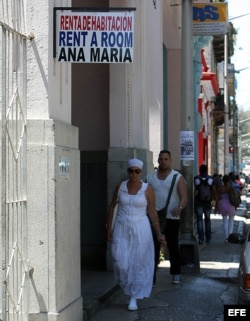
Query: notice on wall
{"x": 187, "y": 145}
{"x": 63, "y": 167}
{"x": 95, "y": 37}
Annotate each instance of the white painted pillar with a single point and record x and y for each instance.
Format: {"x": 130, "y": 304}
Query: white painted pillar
{"x": 53, "y": 207}
{"x": 128, "y": 89}
{"x": 53, "y": 180}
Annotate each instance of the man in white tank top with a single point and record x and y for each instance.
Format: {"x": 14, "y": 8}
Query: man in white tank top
{"x": 161, "y": 181}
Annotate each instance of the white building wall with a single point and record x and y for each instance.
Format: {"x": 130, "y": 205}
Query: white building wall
{"x": 172, "y": 41}
{"x": 53, "y": 221}
{"x": 128, "y": 88}
{"x": 154, "y": 36}
{"x": 136, "y": 91}
{"x": 49, "y": 82}
{"x": 53, "y": 200}
{"x": 37, "y": 26}
{"x": 59, "y": 75}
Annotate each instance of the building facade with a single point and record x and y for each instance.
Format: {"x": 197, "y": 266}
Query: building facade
{"x": 78, "y": 125}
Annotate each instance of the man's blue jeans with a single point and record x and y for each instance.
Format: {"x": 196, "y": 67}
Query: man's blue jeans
{"x": 200, "y": 209}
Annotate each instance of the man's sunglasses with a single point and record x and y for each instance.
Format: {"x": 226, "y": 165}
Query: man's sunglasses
{"x": 132, "y": 171}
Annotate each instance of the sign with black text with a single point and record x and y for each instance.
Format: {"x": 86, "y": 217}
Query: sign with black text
{"x": 95, "y": 37}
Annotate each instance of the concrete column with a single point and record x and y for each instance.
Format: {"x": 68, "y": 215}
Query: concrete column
{"x": 53, "y": 193}
{"x": 128, "y": 89}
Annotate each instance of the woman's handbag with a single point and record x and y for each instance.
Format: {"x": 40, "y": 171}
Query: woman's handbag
{"x": 115, "y": 209}
{"x": 234, "y": 197}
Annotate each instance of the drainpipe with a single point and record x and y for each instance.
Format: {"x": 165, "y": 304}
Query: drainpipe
{"x": 3, "y": 178}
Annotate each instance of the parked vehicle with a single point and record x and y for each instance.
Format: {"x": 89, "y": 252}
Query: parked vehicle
{"x": 244, "y": 273}
{"x": 243, "y": 292}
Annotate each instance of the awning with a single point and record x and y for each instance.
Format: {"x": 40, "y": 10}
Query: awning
{"x": 210, "y": 85}
{"x": 203, "y": 61}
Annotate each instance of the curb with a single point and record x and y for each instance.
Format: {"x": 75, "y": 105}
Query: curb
{"x": 90, "y": 309}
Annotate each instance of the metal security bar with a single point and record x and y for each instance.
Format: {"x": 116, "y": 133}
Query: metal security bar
{"x": 13, "y": 233}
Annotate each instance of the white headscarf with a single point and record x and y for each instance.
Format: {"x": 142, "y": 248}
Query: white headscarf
{"x": 134, "y": 162}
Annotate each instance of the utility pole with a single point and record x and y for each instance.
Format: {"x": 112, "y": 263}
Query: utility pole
{"x": 235, "y": 138}
{"x": 226, "y": 110}
{"x": 188, "y": 243}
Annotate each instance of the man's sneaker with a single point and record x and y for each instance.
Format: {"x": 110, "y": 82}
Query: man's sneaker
{"x": 176, "y": 279}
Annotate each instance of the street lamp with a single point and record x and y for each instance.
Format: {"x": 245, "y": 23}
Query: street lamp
{"x": 238, "y": 71}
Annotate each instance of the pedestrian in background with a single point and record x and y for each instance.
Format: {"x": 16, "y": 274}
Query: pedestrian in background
{"x": 234, "y": 182}
{"x": 132, "y": 244}
{"x": 161, "y": 181}
{"x": 240, "y": 182}
{"x": 217, "y": 179}
{"x": 224, "y": 207}
{"x": 204, "y": 194}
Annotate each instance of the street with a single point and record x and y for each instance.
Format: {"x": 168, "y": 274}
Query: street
{"x": 199, "y": 296}
{"x": 246, "y": 169}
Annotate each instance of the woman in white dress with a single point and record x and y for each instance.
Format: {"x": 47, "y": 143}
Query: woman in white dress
{"x": 132, "y": 243}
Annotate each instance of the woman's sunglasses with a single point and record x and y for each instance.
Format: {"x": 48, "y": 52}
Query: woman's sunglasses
{"x": 132, "y": 171}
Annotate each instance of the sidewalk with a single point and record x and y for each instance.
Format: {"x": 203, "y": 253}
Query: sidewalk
{"x": 97, "y": 286}
{"x": 218, "y": 261}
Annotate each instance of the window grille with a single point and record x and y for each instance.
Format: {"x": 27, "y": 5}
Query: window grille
{"x": 13, "y": 232}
